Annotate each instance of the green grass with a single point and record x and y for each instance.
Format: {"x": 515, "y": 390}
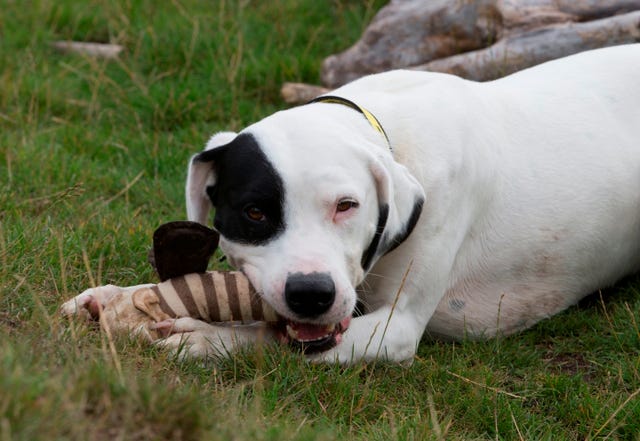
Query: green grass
{"x": 93, "y": 157}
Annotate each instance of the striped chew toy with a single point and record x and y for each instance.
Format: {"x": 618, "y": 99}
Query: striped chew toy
{"x": 214, "y": 296}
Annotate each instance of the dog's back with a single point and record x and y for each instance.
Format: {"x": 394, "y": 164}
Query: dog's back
{"x": 555, "y": 179}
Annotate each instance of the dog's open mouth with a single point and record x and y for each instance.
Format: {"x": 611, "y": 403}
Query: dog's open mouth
{"x": 311, "y": 338}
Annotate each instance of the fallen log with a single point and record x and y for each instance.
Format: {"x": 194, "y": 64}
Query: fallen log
{"x": 527, "y": 49}
{"x": 415, "y": 33}
{"x": 298, "y": 93}
{"x": 98, "y": 50}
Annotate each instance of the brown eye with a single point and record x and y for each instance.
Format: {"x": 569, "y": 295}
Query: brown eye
{"x": 255, "y": 214}
{"x": 346, "y": 205}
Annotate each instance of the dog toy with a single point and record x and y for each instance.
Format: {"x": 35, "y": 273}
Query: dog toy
{"x": 182, "y": 247}
{"x": 214, "y": 296}
{"x": 180, "y": 255}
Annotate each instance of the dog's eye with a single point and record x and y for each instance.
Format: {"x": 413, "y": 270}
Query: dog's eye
{"x": 345, "y": 205}
{"x": 254, "y": 213}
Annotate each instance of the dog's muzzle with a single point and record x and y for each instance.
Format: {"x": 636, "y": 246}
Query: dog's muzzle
{"x": 309, "y": 296}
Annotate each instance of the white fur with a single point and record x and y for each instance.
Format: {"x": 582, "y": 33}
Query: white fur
{"x": 532, "y": 187}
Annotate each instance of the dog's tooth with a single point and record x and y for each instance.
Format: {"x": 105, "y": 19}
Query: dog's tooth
{"x": 331, "y": 328}
{"x": 292, "y": 332}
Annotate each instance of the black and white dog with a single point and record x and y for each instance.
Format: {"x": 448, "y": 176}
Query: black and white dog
{"x": 459, "y": 209}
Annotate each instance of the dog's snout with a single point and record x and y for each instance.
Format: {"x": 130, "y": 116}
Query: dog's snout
{"x": 309, "y": 295}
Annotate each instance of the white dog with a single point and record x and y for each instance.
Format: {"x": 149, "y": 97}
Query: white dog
{"x": 461, "y": 209}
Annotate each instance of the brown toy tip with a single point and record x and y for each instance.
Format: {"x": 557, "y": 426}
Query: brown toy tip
{"x": 182, "y": 247}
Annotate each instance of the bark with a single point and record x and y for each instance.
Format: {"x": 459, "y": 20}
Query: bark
{"x": 99, "y": 50}
{"x": 475, "y": 34}
{"x": 298, "y": 93}
{"x": 515, "y": 53}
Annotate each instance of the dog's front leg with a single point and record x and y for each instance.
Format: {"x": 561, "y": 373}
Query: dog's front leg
{"x": 189, "y": 337}
{"x": 385, "y": 334}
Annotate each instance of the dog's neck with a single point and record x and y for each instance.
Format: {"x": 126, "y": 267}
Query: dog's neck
{"x": 333, "y": 99}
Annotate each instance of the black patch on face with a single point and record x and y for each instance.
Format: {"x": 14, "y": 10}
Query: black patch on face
{"x": 246, "y": 183}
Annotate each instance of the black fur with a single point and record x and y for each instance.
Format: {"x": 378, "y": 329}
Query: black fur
{"x": 370, "y": 252}
{"x": 382, "y": 246}
{"x": 392, "y": 243}
{"x": 245, "y": 178}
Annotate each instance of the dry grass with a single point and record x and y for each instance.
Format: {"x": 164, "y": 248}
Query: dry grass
{"x": 92, "y": 159}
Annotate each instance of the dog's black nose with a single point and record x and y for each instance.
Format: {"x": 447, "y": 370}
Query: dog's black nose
{"x": 309, "y": 295}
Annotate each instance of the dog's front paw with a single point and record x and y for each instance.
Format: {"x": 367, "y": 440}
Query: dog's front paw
{"x": 348, "y": 353}
{"x": 332, "y": 356}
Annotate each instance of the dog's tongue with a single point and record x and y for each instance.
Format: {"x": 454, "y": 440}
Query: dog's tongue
{"x": 308, "y": 331}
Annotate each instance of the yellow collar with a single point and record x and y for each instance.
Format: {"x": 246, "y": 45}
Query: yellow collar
{"x": 345, "y": 102}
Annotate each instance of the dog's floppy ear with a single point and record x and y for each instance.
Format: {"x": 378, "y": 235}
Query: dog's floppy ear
{"x": 400, "y": 201}
{"x": 202, "y": 175}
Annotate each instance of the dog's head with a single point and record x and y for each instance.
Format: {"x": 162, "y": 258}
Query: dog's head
{"x": 305, "y": 205}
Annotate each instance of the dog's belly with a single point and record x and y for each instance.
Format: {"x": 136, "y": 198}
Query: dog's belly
{"x": 501, "y": 297}
{"x": 485, "y": 312}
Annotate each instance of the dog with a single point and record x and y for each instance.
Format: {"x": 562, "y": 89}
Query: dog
{"x": 411, "y": 203}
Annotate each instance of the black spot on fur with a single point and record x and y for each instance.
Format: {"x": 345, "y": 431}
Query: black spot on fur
{"x": 245, "y": 179}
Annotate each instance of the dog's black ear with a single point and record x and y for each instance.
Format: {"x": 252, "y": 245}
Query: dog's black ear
{"x": 201, "y": 175}
{"x": 400, "y": 201}
{"x": 181, "y": 248}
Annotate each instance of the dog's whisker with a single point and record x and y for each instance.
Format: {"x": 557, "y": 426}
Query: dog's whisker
{"x": 381, "y": 276}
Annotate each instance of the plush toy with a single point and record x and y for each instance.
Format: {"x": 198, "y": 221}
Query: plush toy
{"x": 182, "y": 247}
{"x": 214, "y": 296}
{"x": 180, "y": 255}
